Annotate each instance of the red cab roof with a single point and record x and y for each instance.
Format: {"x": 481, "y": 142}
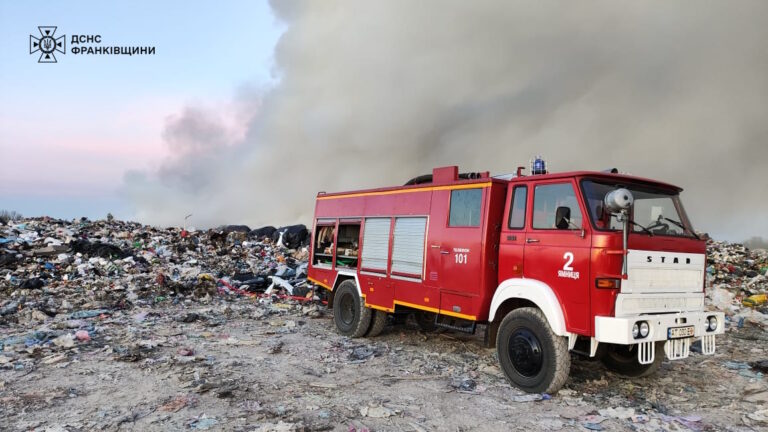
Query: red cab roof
{"x": 485, "y": 179}
{"x": 602, "y": 175}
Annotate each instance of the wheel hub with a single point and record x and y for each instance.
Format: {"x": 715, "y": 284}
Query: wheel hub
{"x": 347, "y": 305}
{"x": 525, "y": 352}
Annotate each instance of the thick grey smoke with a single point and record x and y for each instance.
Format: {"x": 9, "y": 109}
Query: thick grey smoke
{"x": 373, "y": 93}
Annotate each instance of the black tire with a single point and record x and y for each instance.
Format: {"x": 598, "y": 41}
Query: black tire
{"x": 622, "y": 359}
{"x": 425, "y": 320}
{"x": 400, "y": 318}
{"x": 351, "y": 316}
{"x": 531, "y": 355}
{"x": 377, "y": 323}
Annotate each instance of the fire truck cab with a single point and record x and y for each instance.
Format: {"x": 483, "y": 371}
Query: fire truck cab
{"x": 598, "y": 263}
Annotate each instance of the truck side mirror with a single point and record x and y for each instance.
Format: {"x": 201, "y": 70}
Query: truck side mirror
{"x": 562, "y": 217}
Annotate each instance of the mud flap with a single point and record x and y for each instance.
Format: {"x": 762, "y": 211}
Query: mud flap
{"x": 677, "y": 349}
{"x": 646, "y": 352}
{"x": 708, "y": 344}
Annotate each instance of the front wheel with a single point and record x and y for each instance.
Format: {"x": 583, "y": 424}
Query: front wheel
{"x": 622, "y": 359}
{"x": 531, "y": 355}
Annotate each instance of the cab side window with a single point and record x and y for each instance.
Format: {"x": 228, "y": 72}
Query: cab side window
{"x": 547, "y": 199}
{"x": 517, "y": 207}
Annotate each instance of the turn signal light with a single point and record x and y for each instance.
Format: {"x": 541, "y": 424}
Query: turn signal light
{"x": 606, "y": 283}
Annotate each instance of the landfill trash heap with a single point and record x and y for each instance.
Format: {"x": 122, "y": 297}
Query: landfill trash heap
{"x": 50, "y": 266}
{"x": 737, "y": 282}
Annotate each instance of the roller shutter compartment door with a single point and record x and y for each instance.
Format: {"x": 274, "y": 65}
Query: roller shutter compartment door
{"x": 408, "y": 248}
{"x": 376, "y": 244}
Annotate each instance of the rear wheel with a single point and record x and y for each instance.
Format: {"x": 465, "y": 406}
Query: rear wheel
{"x": 425, "y": 320}
{"x": 531, "y": 355}
{"x": 351, "y": 316}
{"x": 400, "y": 318}
{"x": 622, "y": 359}
{"x": 377, "y": 323}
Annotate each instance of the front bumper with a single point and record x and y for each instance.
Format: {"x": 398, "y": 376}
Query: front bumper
{"x": 618, "y": 330}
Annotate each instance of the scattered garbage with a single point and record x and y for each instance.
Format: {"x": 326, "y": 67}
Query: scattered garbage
{"x": 376, "y": 412}
{"x": 530, "y": 397}
{"x": 88, "y": 314}
{"x": 622, "y": 413}
{"x": 755, "y": 300}
{"x": 737, "y": 282}
{"x": 203, "y": 423}
{"x": 274, "y": 346}
{"x": 465, "y": 384}
{"x": 65, "y": 341}
{"x": 185, "y": 352}
{"x": 179, "y": 402}
{"x": 760, "y": 366}
{"x": 362, "y": 353}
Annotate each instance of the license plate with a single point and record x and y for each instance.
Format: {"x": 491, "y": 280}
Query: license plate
{"x": 680, "y": 332}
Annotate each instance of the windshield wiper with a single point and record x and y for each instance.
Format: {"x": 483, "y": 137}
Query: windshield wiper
{"x": 650, "y": 234}
{"x": 679, "y": 224}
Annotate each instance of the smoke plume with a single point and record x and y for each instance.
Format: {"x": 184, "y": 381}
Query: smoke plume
{"x": 374, "y": 93}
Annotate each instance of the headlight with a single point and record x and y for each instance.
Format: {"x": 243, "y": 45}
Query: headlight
{"x": 712, "y": 323}
{"x": 644, "y": 329}
{"x": 635, "y": 331}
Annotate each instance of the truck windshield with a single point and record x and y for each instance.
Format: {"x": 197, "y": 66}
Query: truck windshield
{"x": 658, "y": 210}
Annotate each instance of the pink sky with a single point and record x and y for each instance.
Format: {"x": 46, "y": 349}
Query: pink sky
{"x": 69, "y": 153}
{"x": 69, "y": 131}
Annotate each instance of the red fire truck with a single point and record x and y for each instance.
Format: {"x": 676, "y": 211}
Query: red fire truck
{"x": 598, "y": 263}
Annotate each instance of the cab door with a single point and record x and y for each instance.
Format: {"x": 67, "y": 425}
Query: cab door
{"x": 512, "y": 242}
{"x": 557, "y": 248}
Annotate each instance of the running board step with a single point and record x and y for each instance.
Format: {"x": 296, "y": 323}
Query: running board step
{"x": 455, "y": 324}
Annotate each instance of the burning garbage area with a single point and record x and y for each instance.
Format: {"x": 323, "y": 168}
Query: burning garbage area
{"x": 113, "y": 325}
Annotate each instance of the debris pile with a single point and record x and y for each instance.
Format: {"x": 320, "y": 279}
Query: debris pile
{"x": 114, "y": 264}
{"x": 54, "y": 269}
{"x": 737, "y": 282}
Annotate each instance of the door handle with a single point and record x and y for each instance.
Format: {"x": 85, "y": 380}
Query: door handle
{"x": 531, "y": 240}
{"x": 434, "y": 246}
{"x": 445, "y": 252}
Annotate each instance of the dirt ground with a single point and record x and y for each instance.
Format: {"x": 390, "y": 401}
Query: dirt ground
{"x": 256, "y": 365}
